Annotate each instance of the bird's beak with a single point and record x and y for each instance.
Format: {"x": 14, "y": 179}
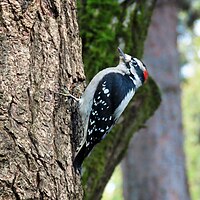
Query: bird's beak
{"x": 121, "y": 54}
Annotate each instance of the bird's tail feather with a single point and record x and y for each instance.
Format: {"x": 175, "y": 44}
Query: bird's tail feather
{"x": 79, "y": 158}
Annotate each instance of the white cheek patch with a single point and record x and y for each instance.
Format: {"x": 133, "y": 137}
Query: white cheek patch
{"x": 137, "y": 80}
{"x": 132, "y": 69}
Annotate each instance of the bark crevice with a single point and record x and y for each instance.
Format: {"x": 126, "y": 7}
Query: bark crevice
{"x": 35, "y": 122}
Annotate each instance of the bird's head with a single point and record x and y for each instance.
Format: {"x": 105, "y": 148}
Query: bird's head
{"x": 135, "y": 67}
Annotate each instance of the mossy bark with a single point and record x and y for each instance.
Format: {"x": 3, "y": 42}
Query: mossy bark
{"x": 129, "y": 27}
{"x": 99, "y": 166}
{"x": 40, "y": 51}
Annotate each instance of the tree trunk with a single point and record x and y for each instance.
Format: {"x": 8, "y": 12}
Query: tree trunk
{"x": 40, "y": 50}
{"x": 154, "y": 167}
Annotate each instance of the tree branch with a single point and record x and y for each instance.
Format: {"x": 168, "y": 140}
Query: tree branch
{"x": 127, "y": 24}
{"x": 99, "y": 167}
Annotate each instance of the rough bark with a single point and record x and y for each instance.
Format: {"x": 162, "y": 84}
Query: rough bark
{"x": 154, "y": 167}
{"x": 40, "y": 50}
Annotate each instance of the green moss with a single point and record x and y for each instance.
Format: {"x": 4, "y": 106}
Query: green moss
{"x": 102, "y": 24}
{"x": 98, "y": 33}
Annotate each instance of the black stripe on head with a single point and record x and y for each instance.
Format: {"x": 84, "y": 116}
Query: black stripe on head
{"x": 138, "y": 70}
{"x": 132, "y": 76}
{"x": 127, "y": 65}
{"x": 139, "y": 73}
{"x": 144, "y": 65}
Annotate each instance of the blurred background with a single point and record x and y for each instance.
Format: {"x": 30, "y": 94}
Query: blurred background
{"x": 163, "y": 158}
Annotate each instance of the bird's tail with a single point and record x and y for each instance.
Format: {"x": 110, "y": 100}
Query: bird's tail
{"x": 80, "y": 156}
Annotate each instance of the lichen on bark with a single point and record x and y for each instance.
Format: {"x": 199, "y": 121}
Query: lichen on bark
{"x": 40, "y": 52}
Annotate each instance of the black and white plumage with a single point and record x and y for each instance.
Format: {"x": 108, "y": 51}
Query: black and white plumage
{"x": 104, "y": 100}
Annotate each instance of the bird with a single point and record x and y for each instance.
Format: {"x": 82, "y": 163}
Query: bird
{"x": 104, "y": 100}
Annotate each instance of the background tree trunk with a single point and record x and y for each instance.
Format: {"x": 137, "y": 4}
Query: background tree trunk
{"x": 154, "y": 167}
{"x": 40, "y": 50}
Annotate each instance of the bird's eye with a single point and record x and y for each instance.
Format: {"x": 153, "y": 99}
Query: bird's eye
{"x": 133, "y": 61}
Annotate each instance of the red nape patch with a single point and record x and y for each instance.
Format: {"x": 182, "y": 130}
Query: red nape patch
{"x": 146, "y": 75}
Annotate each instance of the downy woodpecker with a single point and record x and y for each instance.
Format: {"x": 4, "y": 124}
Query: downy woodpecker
{"x": 104, "y": 100}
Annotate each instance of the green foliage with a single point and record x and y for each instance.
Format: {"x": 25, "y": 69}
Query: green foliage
{"x": 106, "y": 24}
{"x": 189, "y": 45}
{"x": 98, "y": 29}
{"x": 191, "y": 121}
{"x": 113, "y": 190}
